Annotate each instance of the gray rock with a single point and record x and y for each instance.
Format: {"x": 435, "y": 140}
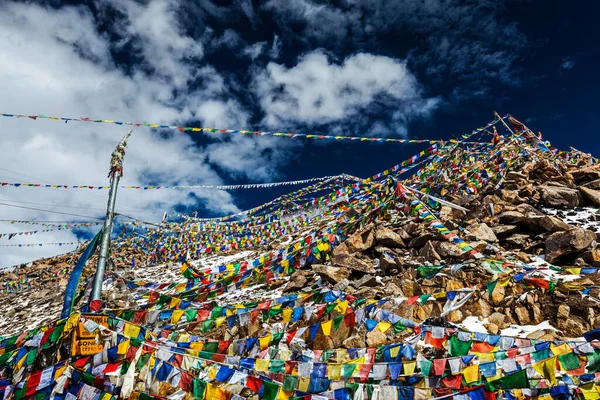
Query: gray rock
{"x": 555, "y": 196}
{"x": 592, "y": 195}
{"x": 388, "y": 237}
{"x": 553, "y": 224}
{"x": 353, "y": 263}
{"x": 562, "y": 243}
{"x": 331, "y": 274}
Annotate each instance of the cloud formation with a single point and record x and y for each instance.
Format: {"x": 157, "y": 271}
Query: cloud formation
{"x": 317, "y": 91}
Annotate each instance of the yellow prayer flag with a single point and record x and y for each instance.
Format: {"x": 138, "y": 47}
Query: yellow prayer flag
{"x": 287, "y": 315}
{"x": 326, "y": 326}
{"x": 131, "y": 331}
{"x": 341, "y": 307}
{"x": 174, "y": 302}
{"x": 264, "y": 341}
{"x": 262, "y": 365}
{"x": 560, "y": 349}
{"x": 123, "y": 347}
{"x": 176, "y": 316}
{"x": 197, "y": 346}
{"x": 394, "y": 351}
{"x": 471, "y": 374}
{"x": 219, "y": 321}
{"x": 384, "y": 326}
{"x": 303, "y": 383}
{"x": 359, "y": 360}
{"x": 409, "y": 367}
{"x": 71, "y": 323}
{"x": 334, "y": 371}
{"x": 485, "y": 357}
{"x": 547, "y": 369}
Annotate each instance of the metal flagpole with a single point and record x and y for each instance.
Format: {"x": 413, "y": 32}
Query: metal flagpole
{"x": 115, "y": 174}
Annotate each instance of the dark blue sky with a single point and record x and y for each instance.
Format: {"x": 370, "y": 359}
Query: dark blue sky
{"x": 537, "y": 60}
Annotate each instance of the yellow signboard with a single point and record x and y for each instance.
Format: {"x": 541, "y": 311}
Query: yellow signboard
{"x": 84, "y": 342}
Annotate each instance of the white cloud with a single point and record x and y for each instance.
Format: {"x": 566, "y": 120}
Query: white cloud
{"x": 55, "y": 62}
{"x": 255, "y": 50}
{"x": 317, "y": 91}
{"x": 275, "y": 51}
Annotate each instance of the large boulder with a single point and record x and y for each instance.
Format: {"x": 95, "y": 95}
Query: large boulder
{"x": 511, "y": 217}
{"x": 331, "y": 274}
{"x": 429, "y": 254}
{"x": 560, "y": 196}
{"x": 483, "y": 232}
{"x": 586, "y": 174}
{"x": 593, "y": 196}
{"x": 353, "y": 263}
{"x": 361, "y": 241}
{"x": 568, "y": 242}
{"x": 503, "y": 230}
{"x": 553, "y": 224}
{"x": 388, "y": 237}
{"x": 388, "y": 264}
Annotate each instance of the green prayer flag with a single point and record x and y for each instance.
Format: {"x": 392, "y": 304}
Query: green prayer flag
{"x": 330, "y": 308}
{"x": 458, "y": 348}
{"x": 569, "y": 361}
{"x": 541, "y": 355}
{"x": 289, "y": 383}
{"x": 428, "y": 271}
{"x": 348, "y": 370}
{"x": 277, "y": 366}
{"x": 276, "y": 338}
{"x": 198, "y": 388}
{"x": 337, "y": 321}
{"x": 216, "y": 312}
{"x": 211, "y": 347}
{"x": 593, "y": 361}
{"x": 56, "y": 333}
{"x": 31, "y": 356}
{"x": 270, "y": 390}
{"x": 517, "y": 380}
{"x": 190, "y": 315}
{"x": 207, "y": 325}
{"x": 127, "y": 315}
{"x": 425, "y": 367}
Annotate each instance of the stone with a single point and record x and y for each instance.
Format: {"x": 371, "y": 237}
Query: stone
{"x": 482, "y": 232}
{"x": 331, "y": 274}
{"x": 354, "y": 342}
{"x": 511, "y": 217}
{"x": 366, "y": 280}
{"x": 586, "y": 174}
{"x": 420, "y": 241}
{"x": 560, "y": 197}
{"x": 447, "y": 249}
{"x": 353, "y": 263}
{"x": 376, "y": 338}
{"x": 553, "y": 224}
{"x": 492, "y": 328}
{"x": 522, "y": 315}
{"x": 402, "y": 233}
{"x": 366, "y": 292}
{"x": 592, "y": 257}
{"x": 408, "y": 287}
{"x": 298, "y": 281}
{"x": 563, "y": 312}
{"x": 503, "y": 230}
{"x": 562, "y": 243}
{"x": 391, "y": 289}
{"x": 595, "y": 185}
{"x": 517, "y": 240}
{"x": 428, "y": 253}
{"x": 388, "y": 264}
{"x": 11, "y": 276}
{"x": 388, "y": 237}
{"x": 498, "y": 294}
{"x": 593, "y": 196}
{"x": 538, "y": 317}
{"x": 482, "y": 308}
{"x": 499, "y": 319}
{"x": 361, "y": 241}
{"x": 510, "y": 196}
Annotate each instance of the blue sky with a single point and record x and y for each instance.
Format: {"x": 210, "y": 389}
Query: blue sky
{"x": 416, "y": 69}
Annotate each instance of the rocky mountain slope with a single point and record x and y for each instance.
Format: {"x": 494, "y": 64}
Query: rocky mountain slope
{"x": 491, "y": 246}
